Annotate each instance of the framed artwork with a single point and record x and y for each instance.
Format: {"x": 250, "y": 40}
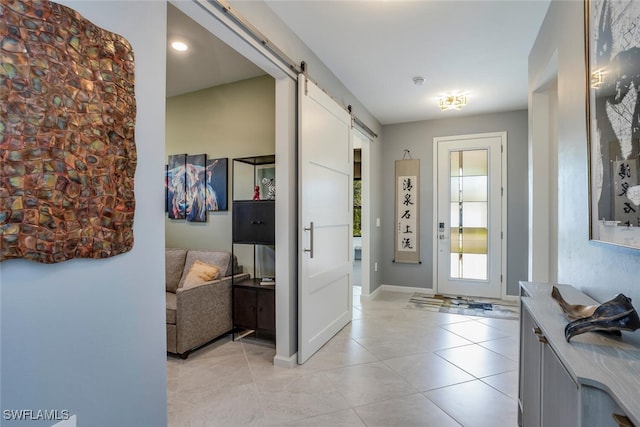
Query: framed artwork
{"x": 217, "y": 184}
{"x": 176, "y": 186}
{"x": 196, "y": 209}
{"x": 613, "y": 120}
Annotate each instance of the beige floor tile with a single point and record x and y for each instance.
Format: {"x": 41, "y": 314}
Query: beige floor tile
{"x": 427, "y": 371}
{"x": 475, "y": 404}
{"x": 399, "y": 344}
{"x": 506, "y": 383}
{"x": 507, "y": 346}
{"x": 413, "y": 410}
{"x": 478, "y": 361}
{"x": 475, "y": 331}
{"x": 371, "y": 382}
{"x": 371, "y": 373}
{"x": 344, "y": 418}
{"x": 296, "y": 397}
{"x": 339, "y": 352}
{"x": 510, "y": 326}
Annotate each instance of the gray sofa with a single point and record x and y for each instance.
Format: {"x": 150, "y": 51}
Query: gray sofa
{"x": 197, "y": 313}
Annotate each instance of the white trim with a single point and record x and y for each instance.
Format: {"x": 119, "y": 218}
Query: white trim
{"x": 230, "y": 33}
{"x": 404, "y": 289}
{"x": 503, "y": 269}
{"x": 286, "y": 362}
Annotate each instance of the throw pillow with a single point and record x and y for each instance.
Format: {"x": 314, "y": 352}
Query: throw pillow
{"x": 199, "y": 273}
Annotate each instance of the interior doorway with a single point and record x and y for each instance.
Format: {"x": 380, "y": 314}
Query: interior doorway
{"x": 361, "y": 215}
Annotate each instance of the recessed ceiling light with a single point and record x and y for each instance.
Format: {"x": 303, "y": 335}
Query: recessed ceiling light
{"x": 179, "y": 46}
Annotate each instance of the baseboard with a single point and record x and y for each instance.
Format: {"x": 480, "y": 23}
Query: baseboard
{"x": 406, "y": 289}
{"x": 286, "y": 362}
{"x": 372, "y": 295}
{"x": 510, "y": 298}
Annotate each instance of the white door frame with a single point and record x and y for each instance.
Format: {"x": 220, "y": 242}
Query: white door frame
{"x": 222, "y": 26}
{"x": 434, "y": 226}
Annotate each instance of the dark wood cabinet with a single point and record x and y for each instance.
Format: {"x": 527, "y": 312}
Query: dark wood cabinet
{"x": 254, "y": 222}
{"x": 254, "y": 307}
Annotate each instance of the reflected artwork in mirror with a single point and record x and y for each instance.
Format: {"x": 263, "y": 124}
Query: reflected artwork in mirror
{"x": 613, "y": 119}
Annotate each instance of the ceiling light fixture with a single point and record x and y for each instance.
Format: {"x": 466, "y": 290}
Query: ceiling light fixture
{"x": 597, "y": 79}
{"x": 452, "y": 102}
{"x": 418, "y": 81}
{"x": 179, "y": 46}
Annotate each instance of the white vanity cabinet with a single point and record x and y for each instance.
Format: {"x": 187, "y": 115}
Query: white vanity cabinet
{"x": 581, "y": 383}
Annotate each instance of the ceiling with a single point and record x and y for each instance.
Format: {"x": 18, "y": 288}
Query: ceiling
{"x": 375, "y": 48}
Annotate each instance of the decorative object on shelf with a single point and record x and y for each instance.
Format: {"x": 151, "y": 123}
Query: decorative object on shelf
{"x": 268, "y": 281}
{"x": 67, "y": 120}
{"x": 266, "y": 179}
{"x": 573, "y": 311}
{"x": 613, "y": 316}
{"x": 613, "y": 114}
{"x": 256, "y": 192}
{"x": 407, "y": 230}
{"x": 271, "y": 188}
{"x": 216, "y": 183}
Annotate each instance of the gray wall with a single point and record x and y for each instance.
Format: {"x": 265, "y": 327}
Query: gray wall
{"x": 598, "y": 269}
{"x": 233, "y": 120}
{"x": 418, "y": 138}
{"x": 88, "y": 336}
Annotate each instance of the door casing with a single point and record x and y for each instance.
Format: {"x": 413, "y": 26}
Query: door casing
{"x": 434, "y": 228}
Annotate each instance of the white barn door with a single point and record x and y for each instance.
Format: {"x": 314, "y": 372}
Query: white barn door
{"x": 326, "y": 217}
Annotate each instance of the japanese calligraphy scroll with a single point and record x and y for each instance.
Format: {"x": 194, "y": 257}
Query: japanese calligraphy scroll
{"x": 407, "y": 227}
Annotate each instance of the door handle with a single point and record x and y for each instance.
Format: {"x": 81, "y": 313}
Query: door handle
{"x": 310, "y": 230}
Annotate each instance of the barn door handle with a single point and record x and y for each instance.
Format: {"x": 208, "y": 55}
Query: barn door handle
{"x": 310, "y": 229}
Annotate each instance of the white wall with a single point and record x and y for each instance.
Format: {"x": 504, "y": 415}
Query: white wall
{"x": 418, "y": 138}
{"x": 232, "y": 120}
{"x": 88, "y": 336}
{"x": 600, "y": 270}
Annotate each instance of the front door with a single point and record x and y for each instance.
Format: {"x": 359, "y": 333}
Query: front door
{"x": 470, "y": 212}
{"x": 326, "y": 217}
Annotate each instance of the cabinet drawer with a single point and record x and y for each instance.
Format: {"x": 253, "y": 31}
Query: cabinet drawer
{"x": 254, "y": 222}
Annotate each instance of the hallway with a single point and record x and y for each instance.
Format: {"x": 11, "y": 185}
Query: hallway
{"x": 392, "y": 366}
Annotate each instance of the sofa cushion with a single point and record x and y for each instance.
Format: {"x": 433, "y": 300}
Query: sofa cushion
{"x": 172, "y": 305}
{"x": 199, "y": 273}
{"x": 220, "y": 259}
{"x": 173, "y": 265}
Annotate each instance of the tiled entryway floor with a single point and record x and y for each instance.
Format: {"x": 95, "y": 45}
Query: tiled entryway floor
{"x": 391, "y": 366}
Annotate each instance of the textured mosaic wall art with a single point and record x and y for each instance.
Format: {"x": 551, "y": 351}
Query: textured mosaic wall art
{"x": 67, "y": 120}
